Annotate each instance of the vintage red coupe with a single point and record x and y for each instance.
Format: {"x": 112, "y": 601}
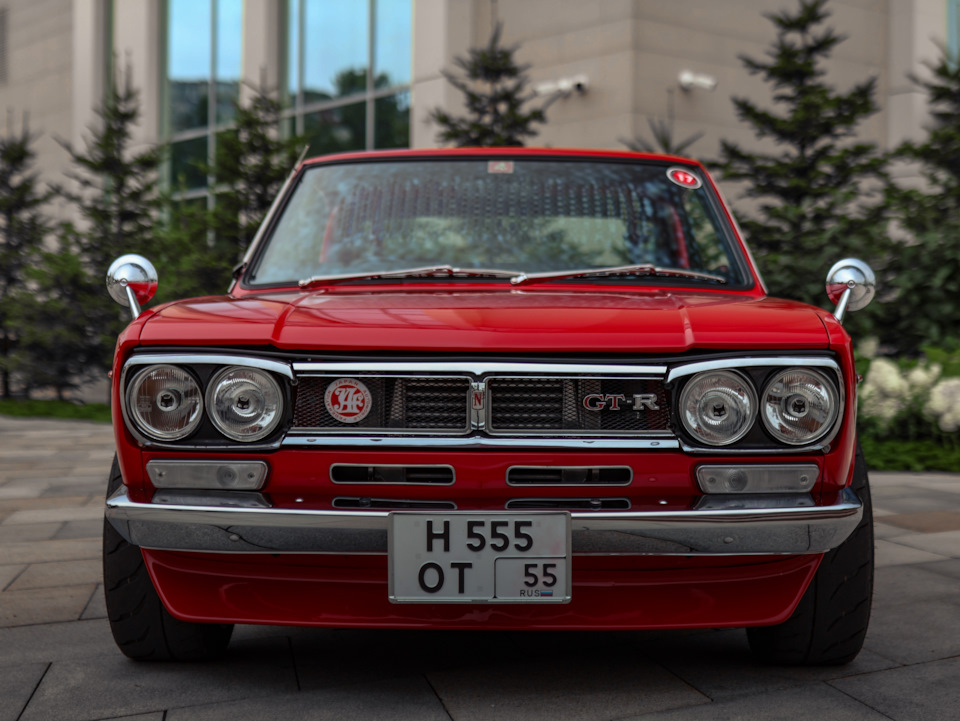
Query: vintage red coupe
{"x": 490, "y": 388}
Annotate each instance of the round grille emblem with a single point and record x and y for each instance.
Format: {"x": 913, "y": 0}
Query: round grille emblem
{"x": 348, "y": 400}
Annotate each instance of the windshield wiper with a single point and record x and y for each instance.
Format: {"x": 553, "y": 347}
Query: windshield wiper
{"x": 446, "y": 271}
{"x": 644, "y": 270}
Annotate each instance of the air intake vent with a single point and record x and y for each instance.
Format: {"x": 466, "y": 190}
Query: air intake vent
{"x": 399, "y": 475}
{"x": 391, "y": 504}
{"x": 569, "y": 476}
{"x": 569, "y": 504}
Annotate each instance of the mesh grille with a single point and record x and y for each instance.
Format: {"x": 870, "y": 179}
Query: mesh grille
{"x": 525, "y": 405}
{"x": 429, "y": 404}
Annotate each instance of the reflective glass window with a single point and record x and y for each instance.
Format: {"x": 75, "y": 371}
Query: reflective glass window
{"x": 392, "y": 121}
{"x": 336, "y": 129}
{"x": 187, "y": 160}
{"x": 188, "y": 63}
{"x": 392, "y": 55}
{"x": 336, "y": 48}
{"x": 229, "y": 60}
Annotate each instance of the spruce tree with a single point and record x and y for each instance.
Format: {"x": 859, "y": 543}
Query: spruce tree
{"x": 493, "y": 86}
{"x": 812, "y": 204}
{"x": 22, "y": 231}
{"x": 114, "y": 189}
{"x": 927, "y": 278}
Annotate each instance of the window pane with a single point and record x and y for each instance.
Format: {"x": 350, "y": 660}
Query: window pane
{"x": 187, "y": 159}
{"x": 188, "y": 63}
{"x": 392, "y": 124}
{"x": 293, "y": 49}
{"x": 229, "y": 53}
{"x": 336, "y": 129}
{"x": 336, "y": 48}
{"x": 392, "y": 54}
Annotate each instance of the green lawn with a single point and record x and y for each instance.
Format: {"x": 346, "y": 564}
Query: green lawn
{"x": 56, "y": 409}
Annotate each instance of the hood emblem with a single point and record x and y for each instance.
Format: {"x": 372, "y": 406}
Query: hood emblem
{"x": 348, "y": 400}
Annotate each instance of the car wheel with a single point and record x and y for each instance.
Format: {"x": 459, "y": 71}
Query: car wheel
{"x": 830, "y": 622}
{"x": 143, "y": 629}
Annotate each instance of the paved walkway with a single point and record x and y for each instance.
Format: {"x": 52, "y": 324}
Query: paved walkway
{"x": 58, "y": 661}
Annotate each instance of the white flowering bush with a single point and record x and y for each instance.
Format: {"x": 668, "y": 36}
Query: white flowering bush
{"x": 909, "y": 410}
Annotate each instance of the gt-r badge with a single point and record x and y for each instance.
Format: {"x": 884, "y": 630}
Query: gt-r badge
{"x": 348, "y": 400}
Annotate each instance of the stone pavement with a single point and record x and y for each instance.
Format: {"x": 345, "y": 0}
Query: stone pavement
{"x": 58, "y": 661}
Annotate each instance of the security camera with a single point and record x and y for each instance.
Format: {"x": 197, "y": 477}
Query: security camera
{"x": 701, "y": 81}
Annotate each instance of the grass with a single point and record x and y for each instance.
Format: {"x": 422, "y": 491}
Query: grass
{"x": 922, "y": 455}
{"x": 56, "y": 409}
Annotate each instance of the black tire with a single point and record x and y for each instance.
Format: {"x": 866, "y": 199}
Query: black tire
{"x": 143, "y": 629}
{"x": 830, "y": 623}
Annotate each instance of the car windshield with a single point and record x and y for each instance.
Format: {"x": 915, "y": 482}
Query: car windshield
{"x": 529, "y": 216}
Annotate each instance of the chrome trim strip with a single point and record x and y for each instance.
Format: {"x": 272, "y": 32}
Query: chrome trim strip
{"x": 283, "y": 369}
{"x": 453, "y": 474}
{"x": 476, "y": 368}
{"x": 628, "y": 469}
{"x": 480, "y": 442}
{"x": 735, "y": 363}
{"x": 757, "y": 531}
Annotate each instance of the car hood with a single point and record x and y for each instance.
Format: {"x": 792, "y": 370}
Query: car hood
{"x": 514, "y": 320}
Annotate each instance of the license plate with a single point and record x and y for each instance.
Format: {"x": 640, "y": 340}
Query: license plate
{"x": 480, "y": 558}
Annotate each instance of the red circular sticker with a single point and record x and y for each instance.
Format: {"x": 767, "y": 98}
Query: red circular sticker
{"x": 684, "y": 178}
{"x": 348, "y": 400}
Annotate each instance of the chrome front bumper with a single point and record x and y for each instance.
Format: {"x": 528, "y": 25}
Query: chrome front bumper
{"x": 772, "y": 529}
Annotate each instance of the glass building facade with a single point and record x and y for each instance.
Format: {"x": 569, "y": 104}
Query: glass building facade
{"x": 345, "y": 68}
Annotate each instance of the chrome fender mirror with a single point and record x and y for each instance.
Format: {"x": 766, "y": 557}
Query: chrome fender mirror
{"x": 851, "y": 284}
{"x": 132, "y": 281}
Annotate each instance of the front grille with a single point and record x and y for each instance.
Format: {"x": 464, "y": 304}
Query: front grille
{"x": 568, "y": 504}
{"x": 598, "y": 406}
{"x": 497, "y": 405}
{"x": 569, "y": 476}
{"x": 399, "y": 404}
{"x": 403, "y": 475}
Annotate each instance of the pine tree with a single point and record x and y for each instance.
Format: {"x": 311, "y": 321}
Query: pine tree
{"x": 22, "y": 231}
{"x": 926, "y": 310}
{"x": 251, "y": 162}
{"x": 493, "y": 86}
{"x": 812, "y": 194}
{"x": 115, "y": 191}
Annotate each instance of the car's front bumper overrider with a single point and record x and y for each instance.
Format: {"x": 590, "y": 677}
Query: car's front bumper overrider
{"x": 767, "y": 528}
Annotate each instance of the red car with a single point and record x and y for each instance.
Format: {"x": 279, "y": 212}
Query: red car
{"x": 490, "y": 388}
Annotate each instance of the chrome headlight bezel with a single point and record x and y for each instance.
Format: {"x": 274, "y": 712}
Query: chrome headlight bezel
{"x": 192, "y": 389}
{"x": 830, "y": 397}
{"x": 737, "y": 389}
{"x": 265, "y": 391}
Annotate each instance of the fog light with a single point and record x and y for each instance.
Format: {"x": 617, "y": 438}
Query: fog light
{"x": 210, "y": 475}
{"x": 784, "y": 478}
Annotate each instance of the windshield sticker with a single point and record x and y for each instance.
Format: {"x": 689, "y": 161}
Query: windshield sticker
{"x": 500, "y": 166}
{"x": 684, "y": 178}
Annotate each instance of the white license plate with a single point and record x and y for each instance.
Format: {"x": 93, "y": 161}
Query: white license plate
{"x": 480, "y": 557}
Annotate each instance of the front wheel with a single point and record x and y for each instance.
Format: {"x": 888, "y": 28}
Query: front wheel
{"x": 143, "y": 629}
{"x": 830, "y": 623}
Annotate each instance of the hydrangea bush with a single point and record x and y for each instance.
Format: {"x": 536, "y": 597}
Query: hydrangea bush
{"x": 909, "y": 410}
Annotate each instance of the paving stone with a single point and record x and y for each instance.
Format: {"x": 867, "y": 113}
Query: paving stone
{"x": 96, "y": 606}
{"x": 11, "y": 505}
{"x": 719, "y": 664}
{"x": 915, "y": 632}
{"x": 409, "y": 699}
{"x": 912, "y": 500}
{"x": 884, "y": 531}
{"x": 927, "y": 691}
{"x": 8, "y": 574}
{"x": 929, "y": 522}
{"x": 949, "y": 568}
{"x": 817, "y": 701}
{"x": 891, "y": 553}
{"x": 29, "y": 532}
{"x": 944, "y": 544}
{"x": 56, "y": 642}
{"x": 554, "y": 683}
{"x": 20, "y": 491}
{"x": 74, "y": 690}
{"x": 900, "y": 585}
{"x": 52, "y": 515}
{"x": 41, "y": 551}
{"x": 44, "y": 605}
{"x": 59, "y": 573}
{"x": 80, "y": 529}
{"x": 16, "y": 687}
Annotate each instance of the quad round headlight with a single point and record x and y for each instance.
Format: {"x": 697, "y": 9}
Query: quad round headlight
{"x": 165, "y": 402}
{"x": 245, "y": 404}
{"x": 718, "y": 407}
{"x": 799, "y": 406}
